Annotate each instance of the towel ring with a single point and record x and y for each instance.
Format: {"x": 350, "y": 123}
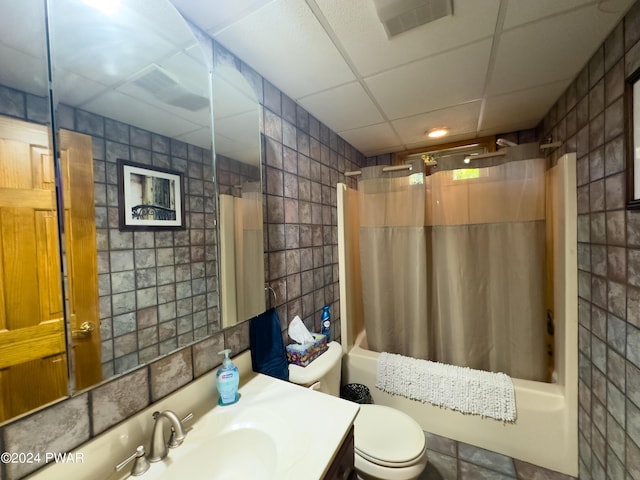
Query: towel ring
{"x": 269, "y": 289}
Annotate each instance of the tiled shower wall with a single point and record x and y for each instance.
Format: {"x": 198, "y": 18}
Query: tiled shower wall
{"x": 589, "y": 119}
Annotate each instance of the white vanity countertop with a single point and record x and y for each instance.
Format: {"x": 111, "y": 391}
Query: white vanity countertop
{"x": 308, "y": 428}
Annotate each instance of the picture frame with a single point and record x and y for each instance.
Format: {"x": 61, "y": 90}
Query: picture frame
{"x": 150, "y": 197}
{"x": 632, "y": 116}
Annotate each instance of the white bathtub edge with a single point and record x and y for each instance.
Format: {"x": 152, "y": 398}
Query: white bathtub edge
{"x": 543, "y": 433}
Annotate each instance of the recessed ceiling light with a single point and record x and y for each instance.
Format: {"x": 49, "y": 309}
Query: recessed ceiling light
{"x": 437, "y": 132}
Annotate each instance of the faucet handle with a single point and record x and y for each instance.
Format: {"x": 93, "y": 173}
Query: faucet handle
{"x": 187, "y": 417}
{"x": 140, "y": 462}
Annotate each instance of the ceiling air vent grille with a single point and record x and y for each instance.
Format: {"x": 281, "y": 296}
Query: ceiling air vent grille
{"x": 161, "y": 85}
{"x": 399, "y": 16}
{"x": 154, "y": 80}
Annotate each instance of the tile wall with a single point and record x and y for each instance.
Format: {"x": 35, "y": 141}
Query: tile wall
{"x": 230, "y": 173}
{"x": 303, "y": 160}
{"x": 589, "y": 119}
{"x": 302, "y": 163}
{"x": 158, "y": 290}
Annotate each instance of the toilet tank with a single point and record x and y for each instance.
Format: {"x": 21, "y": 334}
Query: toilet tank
{"x": 323, "y": 374}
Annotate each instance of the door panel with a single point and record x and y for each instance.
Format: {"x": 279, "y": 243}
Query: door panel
{"x": 33, "y": 367}
{"x": 76, "y": 159}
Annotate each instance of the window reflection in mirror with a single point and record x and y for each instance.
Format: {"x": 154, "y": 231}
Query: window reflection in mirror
{"x": 237, "y": 154}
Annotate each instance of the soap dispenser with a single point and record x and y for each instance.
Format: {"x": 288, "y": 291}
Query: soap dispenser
{"x": 227, "y": 378}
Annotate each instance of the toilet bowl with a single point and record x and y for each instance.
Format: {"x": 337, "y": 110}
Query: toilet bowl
{"x": 389, "y": 444}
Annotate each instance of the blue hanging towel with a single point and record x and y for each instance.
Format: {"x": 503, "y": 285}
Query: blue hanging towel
{"x": 268, "y": 354}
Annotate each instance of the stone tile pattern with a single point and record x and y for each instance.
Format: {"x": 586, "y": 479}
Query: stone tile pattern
{"x": 24, "y": 106}
{"x": 158, "y": 290}
{"x": 589, "y": 118}
{"x": 302, "y": 163}
{"x": 69, "y": 423}
{"x": 230, "y": 173}
{"x": 451, "y": 460}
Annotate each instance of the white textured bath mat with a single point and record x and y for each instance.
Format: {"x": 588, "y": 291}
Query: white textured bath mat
{"x": 459, "y": 388}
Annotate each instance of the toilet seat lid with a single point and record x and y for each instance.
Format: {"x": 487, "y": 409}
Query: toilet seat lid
{"x": 388, "y": 437}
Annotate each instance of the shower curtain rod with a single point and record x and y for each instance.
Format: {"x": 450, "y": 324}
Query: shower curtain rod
{"x": 392, "y": 168}
{"x": 499, "y": 153}
{"x": 545, "y": 146}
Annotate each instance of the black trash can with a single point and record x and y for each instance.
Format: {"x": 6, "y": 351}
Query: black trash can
{"x": 356, "y": 392}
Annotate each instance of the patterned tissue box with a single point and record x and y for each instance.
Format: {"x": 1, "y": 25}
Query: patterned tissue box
{"x": 304, "y": 354}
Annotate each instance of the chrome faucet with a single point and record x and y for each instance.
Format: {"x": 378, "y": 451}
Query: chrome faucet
{"x": 159, "y": 446}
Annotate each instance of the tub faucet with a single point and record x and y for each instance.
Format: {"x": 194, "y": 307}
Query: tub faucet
{"x": 159, "y": 446}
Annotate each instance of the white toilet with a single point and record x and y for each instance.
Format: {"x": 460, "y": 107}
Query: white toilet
{"x": 389, "y": 445}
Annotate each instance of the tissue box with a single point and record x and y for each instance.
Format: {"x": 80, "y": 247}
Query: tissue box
{"x": 304, "y": 354}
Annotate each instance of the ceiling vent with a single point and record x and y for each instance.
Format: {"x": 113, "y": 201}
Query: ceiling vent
{"x": 399, "y": 16}
{"x": 158, "y": 82}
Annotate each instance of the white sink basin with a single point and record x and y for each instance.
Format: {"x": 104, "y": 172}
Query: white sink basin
{"x": 277, "y": 430}
{"x": 226, "y": 455}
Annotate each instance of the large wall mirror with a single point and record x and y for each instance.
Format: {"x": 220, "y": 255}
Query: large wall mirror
{"x": 130, "y": 82}
{"x": 33, "y": 360}
{"x": 238, "y": 160}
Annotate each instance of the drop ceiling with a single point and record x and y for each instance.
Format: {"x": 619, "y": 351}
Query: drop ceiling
{"x": 492, "y": 67}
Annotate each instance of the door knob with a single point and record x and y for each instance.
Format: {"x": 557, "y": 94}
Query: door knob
{"x": 84, "y": 331}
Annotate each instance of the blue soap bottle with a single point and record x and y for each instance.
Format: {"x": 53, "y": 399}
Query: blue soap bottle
{"x": 228, "y": 379}
{"x": 326, "y": 322}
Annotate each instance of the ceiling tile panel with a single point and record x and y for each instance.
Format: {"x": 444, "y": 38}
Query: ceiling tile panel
{"x": 27, "y": 73}
{"x": 524, "y": 108}
{"x": 214, "y": 15}
{"x": 286, "y": 44}
{"x": 165, "y": 121}
{"x": 441, "y": 81}
{"x": 22, "y": 35}
{"x": 525, "y": 11}
{"x": 361, "y": 34}
{"x": 104, "y": 54}
{"x": 449, "y": 139}
{"x": 545, "y": 52}
{"x": 374, "y": 139}
{"x": 333, "y": 57}
{"x": 201, "y": 137}
{"x": 76, "y": 90}
{"x": 461, "y": 120}
{"x": 340, "y": 108}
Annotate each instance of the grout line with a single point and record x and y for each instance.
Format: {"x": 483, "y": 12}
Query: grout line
{"x": 502, "y": 13}
{"x": 317, "y": 12}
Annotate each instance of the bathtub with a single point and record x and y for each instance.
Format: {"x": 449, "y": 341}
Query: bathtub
{"x": 545, "y": 432}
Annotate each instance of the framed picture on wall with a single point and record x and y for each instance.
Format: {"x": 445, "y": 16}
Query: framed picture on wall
{"x": 149, "y": 198}
{"x": 632, "y": 113}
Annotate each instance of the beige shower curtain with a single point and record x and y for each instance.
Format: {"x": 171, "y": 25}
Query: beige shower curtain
{"x": 470, "y": 263}
{"x": 393, "y": 257}
{"x": 241, "y": 259}
{"x": 249, "y": 255}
